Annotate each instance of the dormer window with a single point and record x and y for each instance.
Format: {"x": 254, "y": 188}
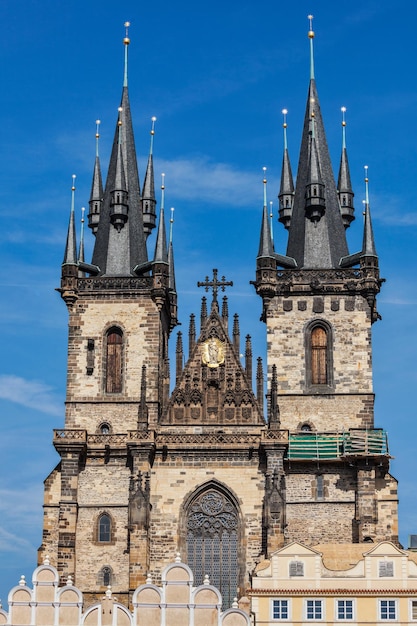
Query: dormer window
{"x": 296, "y": 568}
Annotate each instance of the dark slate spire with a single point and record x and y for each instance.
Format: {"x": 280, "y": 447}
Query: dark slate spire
{"x": 368, "y": 246}
{"x": 315, "y": 243}
{"x": 96, "y": 195}
{"x": 81, "y": 255}
{"x": 368, "y": 251}
{"x": 286, "y": 191}
{"x": 266, "y": 246}
{"x": 179, "y": 357}
{"x": 248, "y": 358}
{"x": 203, "y": 313}
{"x": 148, "y": 191}
{"x": 260, "y": 384}
{"x": 70, "y": 255}
{"x": 161, "y": 250}
{"x": 116, "y": 253}
{"x": 344, "y": 186}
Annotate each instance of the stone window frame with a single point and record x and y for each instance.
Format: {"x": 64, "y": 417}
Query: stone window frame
{"x": 116, "y": 328}
{"x": 317, "y": 387}
{"x": 96, "y": 534}
{"x": 215, "y": 485}
{"x": 101, "y": 576}
{"x": 413, "y": 610}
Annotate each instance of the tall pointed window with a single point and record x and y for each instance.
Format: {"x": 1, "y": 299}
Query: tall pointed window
{"x": 319, "y": 362}
{"x": 319, "y": 356}
{"x": 104, "y": 528}
{"x": 114, "y": 360}
{"x": 212, "y": 531}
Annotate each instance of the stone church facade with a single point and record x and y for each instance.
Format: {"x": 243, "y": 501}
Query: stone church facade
{"x": 145, "y": 472}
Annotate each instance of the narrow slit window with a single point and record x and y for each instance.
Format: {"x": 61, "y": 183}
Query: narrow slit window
{"x": 114, "y": 360}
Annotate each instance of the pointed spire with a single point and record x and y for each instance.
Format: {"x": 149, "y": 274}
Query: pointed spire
{"x": 368, "y": 246}
{"x": 344, "y": 185}
{"x": 266, "y": 247}
{"x": 148, "y": 192}
{"x": 236, "y": 333}
{"x": 191, "y": 335}
{"x": 126, "y": 42}
{"x": 96, "y": 195}
{"x": 273, "y": 407}
{"x": 203, "y": 313}
{"x": 286, "y": 191}
{"x": 81, "y": 256}
{"x": 248, "y": 359}
{"x": 118, "y": 253}
{"x": 161, "y": 252}
{"x": 315, "y": 243}
{"x": 311, "y": 37}
{"x": 260, "y": 384}
{"x": 225, "y": 312}
{"x": 179, "y": 357}
{"x": 70, "y": 255}
{"x": 172, "y": 285}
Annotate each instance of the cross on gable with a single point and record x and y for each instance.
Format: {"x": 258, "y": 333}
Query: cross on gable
{"x": 215, "y": 284}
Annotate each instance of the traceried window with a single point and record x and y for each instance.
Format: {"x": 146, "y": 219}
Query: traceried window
{"x": 386, "y": 569}
{"x": 114, "y": 360}
{"x": 296, "y": 568}
{"x": 345, "y": 609}
{"x": 280, "y": 609}
{"x": 104, "y": 528}
{"x": 212, "y": 526}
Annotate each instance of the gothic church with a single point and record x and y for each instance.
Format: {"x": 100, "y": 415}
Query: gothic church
{"x": 144, "y": 472}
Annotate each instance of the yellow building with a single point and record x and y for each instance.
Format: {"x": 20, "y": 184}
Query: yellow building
{"x": 333, "y": 583}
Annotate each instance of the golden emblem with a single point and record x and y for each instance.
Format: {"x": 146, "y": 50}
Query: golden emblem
{"x": 212, "y": 352}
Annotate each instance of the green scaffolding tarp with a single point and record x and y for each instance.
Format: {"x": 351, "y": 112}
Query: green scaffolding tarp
{"x": 335, "y": 445}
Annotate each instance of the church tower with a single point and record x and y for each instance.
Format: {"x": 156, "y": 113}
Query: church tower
{"x": 145, "y": 473}
{"x": 319, "y": 304}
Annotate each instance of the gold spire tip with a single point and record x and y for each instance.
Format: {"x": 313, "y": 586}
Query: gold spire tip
{"x": 284, "y": 113}
{"x": 311, "y": 31}
{"x": 264, "y": 171}
{"x": 153, "y": 120}
{"x": 98, "y": 122}
{"x": 73, "y": 182}
{"x": 82, "y": 214}
{"x": 163, "y": 181}
{"x": 343, "y": 109}
{"x": 172, "y": 215}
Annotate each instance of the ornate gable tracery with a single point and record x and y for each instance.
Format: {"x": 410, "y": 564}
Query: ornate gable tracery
{"x": 213, "y": 388}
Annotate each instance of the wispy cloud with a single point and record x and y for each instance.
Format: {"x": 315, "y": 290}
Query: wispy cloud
{"x": 30, "y": 393}
{"x": 206, "y": 181}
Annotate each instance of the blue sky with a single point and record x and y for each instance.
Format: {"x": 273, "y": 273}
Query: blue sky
{"x": 217, "y": 76}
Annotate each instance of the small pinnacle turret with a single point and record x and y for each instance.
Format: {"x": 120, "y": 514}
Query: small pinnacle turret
{"x": 148, "y": 191}
{"x": 315, "y": 201}
{"x": 70, "y": 256}
{"x": 96, "y": 195}
{"x": 119, "y": 207}
{"x": 286, "y": 191}
{"x": 344, "y": 186}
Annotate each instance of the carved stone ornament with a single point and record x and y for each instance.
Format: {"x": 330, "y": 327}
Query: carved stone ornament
{"x": 212, "y": 352}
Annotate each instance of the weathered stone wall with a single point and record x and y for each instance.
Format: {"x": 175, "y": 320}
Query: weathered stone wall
{"x": 351, "y": 401}
{"x": 87, "y": 403}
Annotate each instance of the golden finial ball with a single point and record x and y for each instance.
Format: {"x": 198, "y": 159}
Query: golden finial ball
{"x": 126, "y": 41}
{"x": 311, "y": 34}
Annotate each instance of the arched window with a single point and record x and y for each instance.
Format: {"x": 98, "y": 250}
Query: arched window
{"x": 212, "y": 527}
{"x": 104, "y": 528}
{"x": 319, "y": 354}
{"x": 114, "y": 360}
{"x": 105, "y": 576}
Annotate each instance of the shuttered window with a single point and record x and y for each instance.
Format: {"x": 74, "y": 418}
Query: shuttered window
{"x": 319, "y": 356}
{"x": 114, "y": 360}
